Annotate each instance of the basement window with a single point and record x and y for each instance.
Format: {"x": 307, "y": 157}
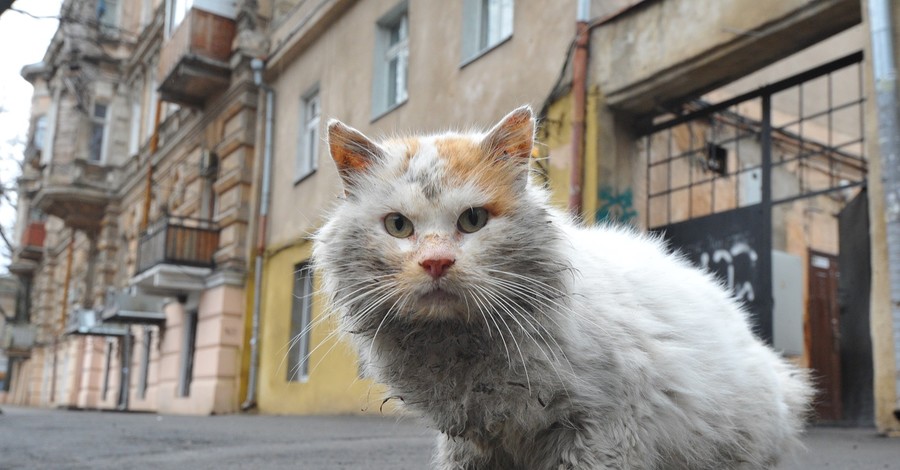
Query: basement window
{"x": 301, "y": 314}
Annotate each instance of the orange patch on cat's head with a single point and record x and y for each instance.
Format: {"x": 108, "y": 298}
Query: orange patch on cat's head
{"x": 468, "y": 161}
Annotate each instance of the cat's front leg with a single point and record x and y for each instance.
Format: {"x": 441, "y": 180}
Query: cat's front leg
{"x": 583, "y": 443}
{"x": 457, "y": 453}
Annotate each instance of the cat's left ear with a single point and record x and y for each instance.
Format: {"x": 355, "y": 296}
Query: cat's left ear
{"x": 512, "y": 138}
{"x": 353, "y": 152}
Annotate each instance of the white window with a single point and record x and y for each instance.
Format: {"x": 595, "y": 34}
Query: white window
{"x": 486, "y": 24}
{"x": 391, "y": 61}
{"x": 301, "y": 314}
{"x": 175, "y": 12}
{"x": 146, "y": 12}
{"x": 308, "y": 147}
{"x": 150, "y": 102}
{"x": 40, "y": 132}
{"x": 98, "y": 132}
{"x": 108, "y": 15}
{"x": 134, "y": 138}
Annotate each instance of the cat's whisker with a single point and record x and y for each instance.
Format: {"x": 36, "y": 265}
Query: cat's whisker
{"x": 383, "y": 319}
{"x": 482, "y": 302}
{"x": 515, "y": 342}
{"x": 513, "y": 311}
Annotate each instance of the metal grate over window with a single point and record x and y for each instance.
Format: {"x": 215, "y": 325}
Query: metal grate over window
{"x": 806, "y": 132}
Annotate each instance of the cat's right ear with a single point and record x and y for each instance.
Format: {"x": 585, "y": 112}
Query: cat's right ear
{"x": 352, "y": 151}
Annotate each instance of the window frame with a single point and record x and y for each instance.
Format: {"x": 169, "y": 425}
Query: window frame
{"x": 188, "y": 351}
{"x": 39, "y": 137}
{"x": 307, "y": 159}
{"x": 477, "y": 21}
{"x": 386, "y": 51}
{"x": 298, "y": 369}
{"x": 107, "y": 368}
{"x": 147, "y": 339}
{"x": 103, "y": 123}
{"x": 173, "y": 18}
{"x": 110, "y": 26}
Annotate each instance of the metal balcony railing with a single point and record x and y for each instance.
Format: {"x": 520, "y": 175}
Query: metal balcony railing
{"x": 178, "y": 241}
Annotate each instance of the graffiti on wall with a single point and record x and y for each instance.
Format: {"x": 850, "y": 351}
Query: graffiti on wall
{"x": 738, "y": 264}
{"x": 615, "y": 206}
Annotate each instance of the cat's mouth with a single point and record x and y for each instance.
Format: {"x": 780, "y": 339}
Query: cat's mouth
{"x": 438, "y": 295}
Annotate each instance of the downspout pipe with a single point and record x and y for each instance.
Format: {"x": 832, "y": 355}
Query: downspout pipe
{"x": 885, "y": 75}
{"x": 579, "y": 105}
{"x": 257, "y": 65}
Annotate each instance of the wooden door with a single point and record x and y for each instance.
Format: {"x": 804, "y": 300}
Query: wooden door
{"x": 825, "y": 334}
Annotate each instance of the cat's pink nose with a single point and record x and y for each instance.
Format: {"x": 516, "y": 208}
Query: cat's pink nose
{"x": 437, "y": 266}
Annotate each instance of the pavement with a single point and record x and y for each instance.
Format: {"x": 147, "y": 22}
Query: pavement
{"x": 33, "y": 438}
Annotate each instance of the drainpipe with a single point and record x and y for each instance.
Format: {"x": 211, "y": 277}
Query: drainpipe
{"x": 64, "y": 307}
{"x": 257, "y": 65}
{"x": 889, "y": 142}
{"x": 579, "y": 92}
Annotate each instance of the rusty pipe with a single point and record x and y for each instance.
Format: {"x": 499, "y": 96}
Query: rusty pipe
{"x": 579, "y": 105}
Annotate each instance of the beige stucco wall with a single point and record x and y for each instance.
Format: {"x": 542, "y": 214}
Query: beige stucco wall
{"x": 656, "y": 53}
{"x": 442, "y": 94}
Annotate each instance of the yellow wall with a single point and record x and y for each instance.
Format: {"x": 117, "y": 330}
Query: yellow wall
{"x": 333, "y": 385}
{"x": 554, "y": 146}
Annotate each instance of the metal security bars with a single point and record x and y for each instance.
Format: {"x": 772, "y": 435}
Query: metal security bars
{"x": 707, "y": 158}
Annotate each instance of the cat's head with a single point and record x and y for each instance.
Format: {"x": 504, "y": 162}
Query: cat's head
{"x": 437, "y": 227}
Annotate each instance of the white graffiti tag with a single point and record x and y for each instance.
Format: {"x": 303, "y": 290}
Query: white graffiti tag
{"x": 744, "y": 288}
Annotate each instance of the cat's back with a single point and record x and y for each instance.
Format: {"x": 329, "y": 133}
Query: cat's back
{"x": 676, "y": 329}
{"x": 625, "y": 267}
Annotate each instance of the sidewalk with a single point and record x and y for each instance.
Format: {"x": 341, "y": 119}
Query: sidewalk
{"x": 32, "y": 438}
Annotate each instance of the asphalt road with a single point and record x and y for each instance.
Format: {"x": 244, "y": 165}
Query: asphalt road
{"x": 41, "y": 439}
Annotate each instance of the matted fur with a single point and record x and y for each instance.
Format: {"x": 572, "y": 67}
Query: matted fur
{"x": 546, "y": 344}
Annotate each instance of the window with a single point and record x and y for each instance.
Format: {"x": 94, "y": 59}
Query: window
{"x": 391, "y": 61}
{"x": 301, "y": 313}
{"x": 308, "y": 147}
{"x": 108, "y": 15}
{"x": 134, "y": 138}
{"x": 40, "y": 132}
{"x": 98, "y": 129}
{"x": 486, "y": 24}
{"x": 106, "y": 368}
{"x": 146, "y": 339}
{"x": 189, "y": 340}
{"x": 177, "y": 10}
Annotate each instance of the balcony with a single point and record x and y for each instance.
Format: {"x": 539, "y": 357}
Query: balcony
{"x": 17, "y": 339}
{"x": 32, "y": 246}
{"x": 194, "y": 61}
{"x": 175, "y": 255}
{"x": 128, "y": 306}
{"x": 85, "y": 321}
{"x": 77, "y": 192}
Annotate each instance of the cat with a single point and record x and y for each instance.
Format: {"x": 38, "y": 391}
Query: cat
{"x": 529, "y": 341}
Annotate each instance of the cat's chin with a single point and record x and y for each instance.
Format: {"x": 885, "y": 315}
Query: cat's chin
{"x": 439, "y": 304}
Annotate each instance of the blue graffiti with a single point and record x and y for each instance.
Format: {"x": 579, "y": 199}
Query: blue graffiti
{"x": 615, "y": 206}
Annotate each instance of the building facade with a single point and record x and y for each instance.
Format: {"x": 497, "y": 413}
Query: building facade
{"x": 136, "y": 208}
{"x": 743, "y": 132}
{"x": 173, "y": 181}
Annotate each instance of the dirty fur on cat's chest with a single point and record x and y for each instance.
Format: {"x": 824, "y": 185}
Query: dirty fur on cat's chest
{"x": 463, "y": 380}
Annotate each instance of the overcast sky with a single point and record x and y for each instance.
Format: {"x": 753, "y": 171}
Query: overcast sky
{"x": 24, "y": 40}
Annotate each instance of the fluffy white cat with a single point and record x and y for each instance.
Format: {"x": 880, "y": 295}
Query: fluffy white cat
{"x": 529, "y": 341}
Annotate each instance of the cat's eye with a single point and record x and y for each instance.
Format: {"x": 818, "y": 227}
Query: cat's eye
{"x": 472, "y": 220}
{"x": 398, "y": 225}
